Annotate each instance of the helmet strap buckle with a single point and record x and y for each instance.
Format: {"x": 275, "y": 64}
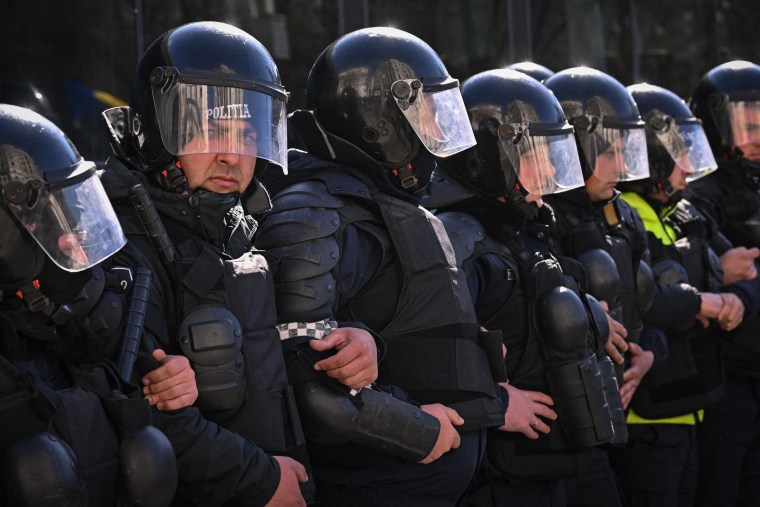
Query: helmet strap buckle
{"x": 406, "y": 177}
{"x": 36, "y": 301}
{"x": 175, "y": 178}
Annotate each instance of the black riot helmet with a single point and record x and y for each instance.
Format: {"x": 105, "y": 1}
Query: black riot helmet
{"x": 386, "y": 92}
{"x": 534, "y": 70}
{"x": 727, "y": 100}
{"x": 608, "y": 128}
{"x": 207, "y": 87}
{"x": 51, "y": 201}
{"x": 674, "y": 138}
{"x": 522, "y": 137}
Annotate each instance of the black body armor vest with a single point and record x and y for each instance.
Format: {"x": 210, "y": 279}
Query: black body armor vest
{"x": 615, "y": 234}
{"x": 735, "y": 195}
{"x": 228, "y": 317}
{"x": 431, "y": 321}
{"x": 611, "y": 264}
{"x": 731, "y": 195}
{"x": 539, "y": 359}
{"x": 45, "y": 400}
{"x": 691, "y": 376}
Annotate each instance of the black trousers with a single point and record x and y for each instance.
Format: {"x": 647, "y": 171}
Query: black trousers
{"x": 658, "y": 466}
{"x": 494, "y": 489}
{"x": 595, "y": 487}
{"x": 729, "y": 447}
{"x": 353, "y": 475}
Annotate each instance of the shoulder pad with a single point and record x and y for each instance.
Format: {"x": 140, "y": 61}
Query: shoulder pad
{"x": 301, "y": 236}
{"x": 286, "y": 227}
{"x": 322, "y": 188}
{"x": 341, "y": 183}
{"x": 305, "y": 194}
{"x": 306, "y": 259}
{"x": 464, "y": 231}
{"x": 121, "y": 276}
{"x": 305, "y": 300}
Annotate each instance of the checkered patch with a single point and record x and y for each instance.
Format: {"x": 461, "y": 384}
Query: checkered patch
{"x": 317, "y": 330}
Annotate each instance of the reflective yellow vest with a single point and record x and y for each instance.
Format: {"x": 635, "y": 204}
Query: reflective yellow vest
{"x": 666, "y": 234}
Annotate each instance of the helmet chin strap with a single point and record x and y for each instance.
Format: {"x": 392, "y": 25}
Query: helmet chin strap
{"x": 173, "y": 178}
{"x": 415, "y": 175}
{"x": 406, "y": 177}
{"x": 673, "y": 195}
{"x": 517, "y": 196}
{"x": 35, "y": 300}
{"x": 408, "y": 180}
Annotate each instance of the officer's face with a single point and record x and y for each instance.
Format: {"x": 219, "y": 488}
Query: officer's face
{"x": 608, "y": 168}
{"x": 71, "y": 246}
{"x": 599, "y": 190}
{"x": 429, "y": 120}
{"x": 536, "y": 171}
{"x": 218, "y": 171}
{"x": 745, "y": 129}
{"x": 678, "y": 178}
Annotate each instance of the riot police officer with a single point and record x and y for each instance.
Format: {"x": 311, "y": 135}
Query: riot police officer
{"x": 660, "y": 464}
{"x": 606, "y": 236}
{"x": 727, "y": 101}
{"x": 206, "y": 109}
{"x": 354, "y": 244}
{"x": 490, "y": 204}
{"x": 71, "y": 435}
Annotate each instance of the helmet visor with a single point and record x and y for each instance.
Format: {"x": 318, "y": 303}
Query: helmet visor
{"x": 743, "y": 123}
{"x": 75, "y": 224}
{"x": 199, "y": 118}
{"x": 545, "y": 164}
{"x": 617, "y": 154}
{"x": 689, "y": 148}
{"x": 439, "y": 118}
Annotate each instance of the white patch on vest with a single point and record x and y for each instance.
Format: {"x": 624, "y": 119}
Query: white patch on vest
{"x": 228, "y": 112}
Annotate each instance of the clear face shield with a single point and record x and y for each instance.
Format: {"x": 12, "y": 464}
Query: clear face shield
{"x": 687, "y": 145}
{"x": 71, "y": 220}
{"x": 739, "y": 122}
{"x": 198, "y": 118}
{"x": 437, "y": 114}
{"x": 544, "y": 158}
{"x": 616, "y": 152}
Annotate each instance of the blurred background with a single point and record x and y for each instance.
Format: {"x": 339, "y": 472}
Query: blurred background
{"x": 70, "y": 59}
